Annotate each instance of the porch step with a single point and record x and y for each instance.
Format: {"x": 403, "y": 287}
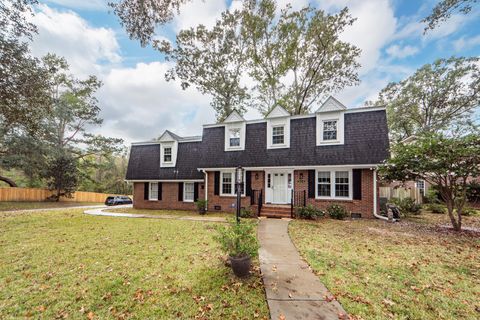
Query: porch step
{"x": 278, "y": 211}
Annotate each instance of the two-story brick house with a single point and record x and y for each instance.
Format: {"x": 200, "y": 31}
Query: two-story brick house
{"x": 327, "y": 157}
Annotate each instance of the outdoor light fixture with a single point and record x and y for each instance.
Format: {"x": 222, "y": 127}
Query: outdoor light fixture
{"x": 239, "y": 182}
{"x": 256, "y": 176}
{"x": 301, "y": 176}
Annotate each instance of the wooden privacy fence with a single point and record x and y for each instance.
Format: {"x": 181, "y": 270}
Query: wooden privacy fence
{"x": 33, "y": 194}
{"x": 401, "y": 193}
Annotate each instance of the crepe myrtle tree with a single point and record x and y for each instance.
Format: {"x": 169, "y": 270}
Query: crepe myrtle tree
{"x": 447, "y": 162}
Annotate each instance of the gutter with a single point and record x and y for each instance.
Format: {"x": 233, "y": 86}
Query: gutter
{"x": 206, "y": 188}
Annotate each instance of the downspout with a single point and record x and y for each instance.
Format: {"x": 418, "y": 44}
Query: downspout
{"x": 206, "y": 189}
{"x": 375, "y": 214}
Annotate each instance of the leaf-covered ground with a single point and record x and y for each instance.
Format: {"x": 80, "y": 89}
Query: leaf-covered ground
{"x": 65, "y": 264}
{"x": 180, "y": 213}
{"x": 14, "y": 205}
{"x": 407, "y": 270}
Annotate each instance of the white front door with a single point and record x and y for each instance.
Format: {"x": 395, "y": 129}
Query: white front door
{"x": 279, "y": 185}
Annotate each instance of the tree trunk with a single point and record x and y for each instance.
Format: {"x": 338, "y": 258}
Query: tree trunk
{"x": 456, "y": 224}
{"x": 10, "y": 182}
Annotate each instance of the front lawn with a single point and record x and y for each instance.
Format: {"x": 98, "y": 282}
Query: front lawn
{"x": 407, "y": 270}
{"x": 179, "y": 213}
{"x": 64, "y": 264}
{"x": 17, "y": 205}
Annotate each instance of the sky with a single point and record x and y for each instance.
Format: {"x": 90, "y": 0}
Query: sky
{"x": 138, "y": 104}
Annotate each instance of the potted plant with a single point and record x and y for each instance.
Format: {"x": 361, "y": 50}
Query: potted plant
{"x": 201, "y": 206}
{"x": 238, "y": 240}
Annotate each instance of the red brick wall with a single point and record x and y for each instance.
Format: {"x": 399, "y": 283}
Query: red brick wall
{"x": 169, "y": 197}
{"x": 364, "y": 206}
{"x": 226, "y": 202}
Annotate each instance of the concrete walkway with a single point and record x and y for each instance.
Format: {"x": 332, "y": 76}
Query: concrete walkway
{"x": 293, "y": 291}
{"x": 101, "y": 212}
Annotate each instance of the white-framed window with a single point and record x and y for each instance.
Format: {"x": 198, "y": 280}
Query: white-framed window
{"x": 330, "y": 130}
{"x": 227, "y": 180}
{"x": 342, "y": 184}
{"x": 188, "y": 191}
{"x": 324, "y": 184}
{"x": 334, "y": 184}
{"x": 234, "y": 135}
{"x": 153, "y": 192}
{"x": 421, "y": 186}
{"x": 278, "y": 135}
{"x": 167, "y": 154}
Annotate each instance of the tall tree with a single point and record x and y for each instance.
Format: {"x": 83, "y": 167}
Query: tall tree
{"x": 297, "y": 57}
{"x": 445, "y": 162}
{"x": 444, "y": 10}
{"x": 441, "y": 96}
{"x": 62, "y": 175}
{"x": 141, "y": 17}
{"x": 213, "y": 60}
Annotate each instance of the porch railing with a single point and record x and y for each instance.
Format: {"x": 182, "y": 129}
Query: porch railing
{"x": 299, "y": 199}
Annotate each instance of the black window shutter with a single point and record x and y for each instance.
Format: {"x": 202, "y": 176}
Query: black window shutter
{"x": 311, "y": 183}
{"x": 180, "y": 191}
{"x": 357, "y": 184}
{"x": 159, "y": 191}
{"x": 195, "y": 191}
{"x": 216, "y": 188}
{"x": 145, "y": 190}
{"x": 248, "y": 182}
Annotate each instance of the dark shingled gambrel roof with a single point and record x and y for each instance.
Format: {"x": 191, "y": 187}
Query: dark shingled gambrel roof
{"x": 366, "y": 142}
{"x": 144, "y": 163}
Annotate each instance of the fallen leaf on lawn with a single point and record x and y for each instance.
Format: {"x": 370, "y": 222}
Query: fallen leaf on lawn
{"x": 388, "y": 302}
{"x": 281, "y": 317}
{"x": 290, "y": 295}
{"x": 41, "y": 308}
{"x": 90, "y": 315}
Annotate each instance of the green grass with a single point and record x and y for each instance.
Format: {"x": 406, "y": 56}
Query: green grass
{"x": 66, "y": 264}
{"x": 14, "y": 205}
{"x": 179, "y": 213}
{"x": 406, "y": 270}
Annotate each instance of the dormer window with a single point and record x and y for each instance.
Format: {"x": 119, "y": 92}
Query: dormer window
{"x": 278, "y": 135}
{"x": 330, "y": 130}
{"x": 235, "y": 137}
{"x": 167, "y": 154}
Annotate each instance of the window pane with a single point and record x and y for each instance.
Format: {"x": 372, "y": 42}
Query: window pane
{"x": 330, "y": 130}
{"x": 234, "y": 137}
{"x": 153, "y": 191}
{"x": 188, "y": 191}
{"x": 167, "y": 154}
{"x": 278, "y": 135}
{"x": 324, "y": 187}
{"x": 227, "y": 183}
{"x": 341, "y": 184}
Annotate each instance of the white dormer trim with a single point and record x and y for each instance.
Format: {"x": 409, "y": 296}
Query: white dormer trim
{"x": 330, "y": 105}
{"x": 278, "y": 117}
{"x": 277, "y": 112}
{"x": 168, "y": 140}
{"x": 236, "y": 122}
{"x": 234, "y": 117}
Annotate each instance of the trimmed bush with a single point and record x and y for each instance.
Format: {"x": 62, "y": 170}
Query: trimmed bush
{"x": 436, "y": 208}
{"x": 467, "y": 211}
{"x": 309, "y": 212}
{"x": 336, "y": 211}
{"x": 407, "y": 206}
{"x": 246, "y": 213}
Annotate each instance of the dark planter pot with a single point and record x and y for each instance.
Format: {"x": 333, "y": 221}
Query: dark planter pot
{"x": 202, "y": 211}
{"x": 241, "y": 266}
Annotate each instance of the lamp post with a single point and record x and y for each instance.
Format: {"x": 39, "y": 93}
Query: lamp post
{"x": 238, "y": 187}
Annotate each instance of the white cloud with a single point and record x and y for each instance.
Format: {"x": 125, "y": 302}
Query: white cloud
{"x": 81, "y": 4}
{"x": 86, "y": 48}
{"x": 465, "y": 43}
{"x": 396, "y": 51}
{"x": 139, "y": 104}
{"x": 373, "y": 29}
{"x": 199, "y": 12}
